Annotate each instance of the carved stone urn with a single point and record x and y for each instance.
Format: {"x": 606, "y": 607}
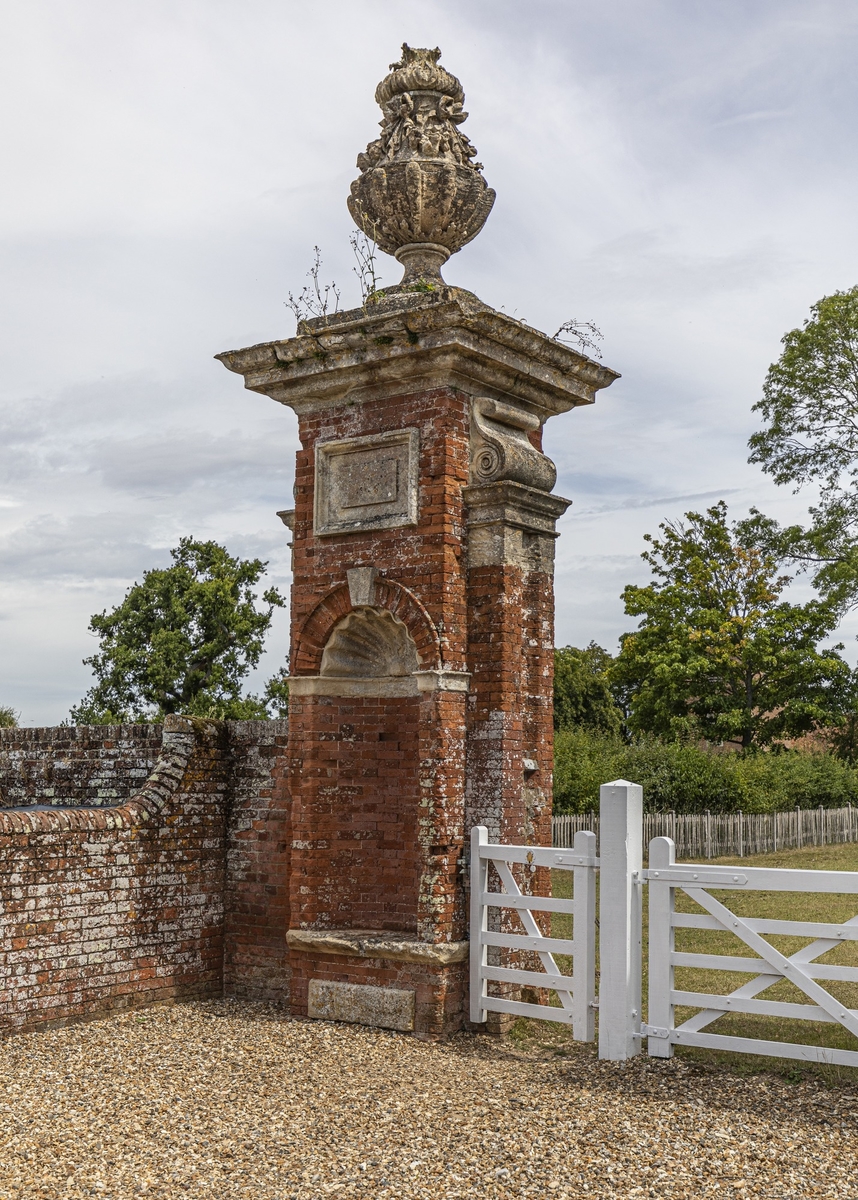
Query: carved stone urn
{"x": 420, "y": 196}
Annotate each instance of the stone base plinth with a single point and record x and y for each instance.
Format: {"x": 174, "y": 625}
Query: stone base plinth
{"x": 377, "y": 977}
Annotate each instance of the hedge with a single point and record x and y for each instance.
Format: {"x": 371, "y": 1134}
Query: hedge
{"x": 688, "y": 778}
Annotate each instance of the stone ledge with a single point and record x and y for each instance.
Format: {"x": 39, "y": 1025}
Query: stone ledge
{"x": 369, "y": 943}
{"x": 334, "y": 685}
{"x": 383, "y": 685}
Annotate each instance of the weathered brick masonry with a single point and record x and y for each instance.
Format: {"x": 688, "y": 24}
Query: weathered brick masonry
{"x": 422, "y": 631}
{"x": 76, "y": 765}
{"x": 106, "y": 905}
{"x": 258, "y": 847}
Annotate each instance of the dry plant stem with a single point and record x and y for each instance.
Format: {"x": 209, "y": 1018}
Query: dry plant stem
{"x": 365, "y": 251}
{"x": 586, "y": 335}
{"x": 315, "y": 299}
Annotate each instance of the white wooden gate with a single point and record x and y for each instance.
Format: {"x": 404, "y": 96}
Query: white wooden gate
{"x": 699, "y": 880}
{"x": 621, "y": 1028}
{"x": 576, "y": 992}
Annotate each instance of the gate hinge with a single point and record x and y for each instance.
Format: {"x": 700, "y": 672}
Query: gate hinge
{"x": 654, "y": 1031}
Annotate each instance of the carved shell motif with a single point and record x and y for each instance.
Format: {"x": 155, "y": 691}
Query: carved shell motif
{"x": 369, "y": 643}
{"x": 419, "y": 182}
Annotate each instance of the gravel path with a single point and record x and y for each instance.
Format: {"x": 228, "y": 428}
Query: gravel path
{"x": 211, "y": 1100}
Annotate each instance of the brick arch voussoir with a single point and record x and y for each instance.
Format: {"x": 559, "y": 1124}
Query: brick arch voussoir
{"x": 336, "y": 604}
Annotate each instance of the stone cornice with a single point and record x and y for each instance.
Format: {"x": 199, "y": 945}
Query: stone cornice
{"x": 369, "y": 943}
{"x": 412, "y": 340}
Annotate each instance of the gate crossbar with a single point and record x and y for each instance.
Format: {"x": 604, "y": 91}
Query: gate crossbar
{"x": 770, "y": 967}
{"x": 575, "y": 992}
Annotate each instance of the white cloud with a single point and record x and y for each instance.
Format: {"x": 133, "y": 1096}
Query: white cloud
{"x": 682, "y": 174}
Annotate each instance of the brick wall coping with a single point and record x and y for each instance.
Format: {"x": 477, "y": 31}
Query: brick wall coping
{"x": 373, "y": 943}
{"x": 16, "y": 736}
{"x": 177, "y": 746}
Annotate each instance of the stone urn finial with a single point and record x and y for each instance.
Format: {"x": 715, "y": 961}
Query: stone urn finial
{"x": 420, "y": 195}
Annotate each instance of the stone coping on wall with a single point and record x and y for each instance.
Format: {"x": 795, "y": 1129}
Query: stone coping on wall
{"x": 377, "y": 943}
{"x": 177, "y": 746}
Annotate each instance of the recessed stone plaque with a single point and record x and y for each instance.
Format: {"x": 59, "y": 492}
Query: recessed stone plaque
{"x": 366, "y": 483}
{"x": 362, "y": 1004}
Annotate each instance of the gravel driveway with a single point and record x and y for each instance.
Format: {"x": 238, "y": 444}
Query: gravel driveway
{"x": 234, "y": 1100}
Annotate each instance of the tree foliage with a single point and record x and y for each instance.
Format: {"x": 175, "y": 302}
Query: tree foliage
{"x": 691, "y": 778}
{"x": 276, "y": 693}
{"x": 719, "y": 653}
{"x": 182, "y": 641}
{"x": 810, "y": 406}
{"x": 8, "y": 717}
{"x": 582, "y": 690}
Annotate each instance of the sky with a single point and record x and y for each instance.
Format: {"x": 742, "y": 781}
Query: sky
{"x": 681, "y": 173}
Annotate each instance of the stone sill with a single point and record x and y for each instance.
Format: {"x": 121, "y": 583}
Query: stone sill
{"x": 382, "y": 685}
{"x": 374, "y": 943}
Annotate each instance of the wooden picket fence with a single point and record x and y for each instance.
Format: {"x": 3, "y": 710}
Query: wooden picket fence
{"x": 710, "y": 835}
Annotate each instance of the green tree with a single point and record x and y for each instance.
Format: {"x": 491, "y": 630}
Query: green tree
{"x": 810, "y": 406}
{"x": 182, "y": 641}
{"x": 8, "y": 717}
{"x": 719, "y": 653}
{"x": 276, "y": 693}
{"x": 582, "y": 690}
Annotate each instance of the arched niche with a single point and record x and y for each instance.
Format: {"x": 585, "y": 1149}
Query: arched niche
{"x": 369, "y": 643}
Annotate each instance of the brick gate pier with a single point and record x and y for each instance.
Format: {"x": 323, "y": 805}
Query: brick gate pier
{"x": 422, "y": 605}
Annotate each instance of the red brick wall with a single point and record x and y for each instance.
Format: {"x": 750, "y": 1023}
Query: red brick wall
{"x": 259, "y": 845}
{"x": 109, "y": 907}
{"x": 355, "y": 795}
{"x": 87, "y": 764}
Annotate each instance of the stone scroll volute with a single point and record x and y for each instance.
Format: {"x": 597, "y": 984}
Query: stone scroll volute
{"x": 501, "y": 448}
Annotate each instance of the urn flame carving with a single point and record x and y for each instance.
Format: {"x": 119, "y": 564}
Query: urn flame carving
{"x": 420, "y": 195}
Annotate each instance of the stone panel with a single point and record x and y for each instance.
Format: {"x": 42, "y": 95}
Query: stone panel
{"x": 361, "y": 1004}
{"x": 366, "y": 483}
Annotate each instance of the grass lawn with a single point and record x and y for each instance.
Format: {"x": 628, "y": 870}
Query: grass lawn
{"x": 795, "y": 906}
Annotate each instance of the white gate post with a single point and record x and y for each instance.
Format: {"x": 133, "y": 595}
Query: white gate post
{"x": 584, "y": 939}
{"x": 662, "y": 854}
{"x": 621, "y": 858}
{"x": 479, "y": 921}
